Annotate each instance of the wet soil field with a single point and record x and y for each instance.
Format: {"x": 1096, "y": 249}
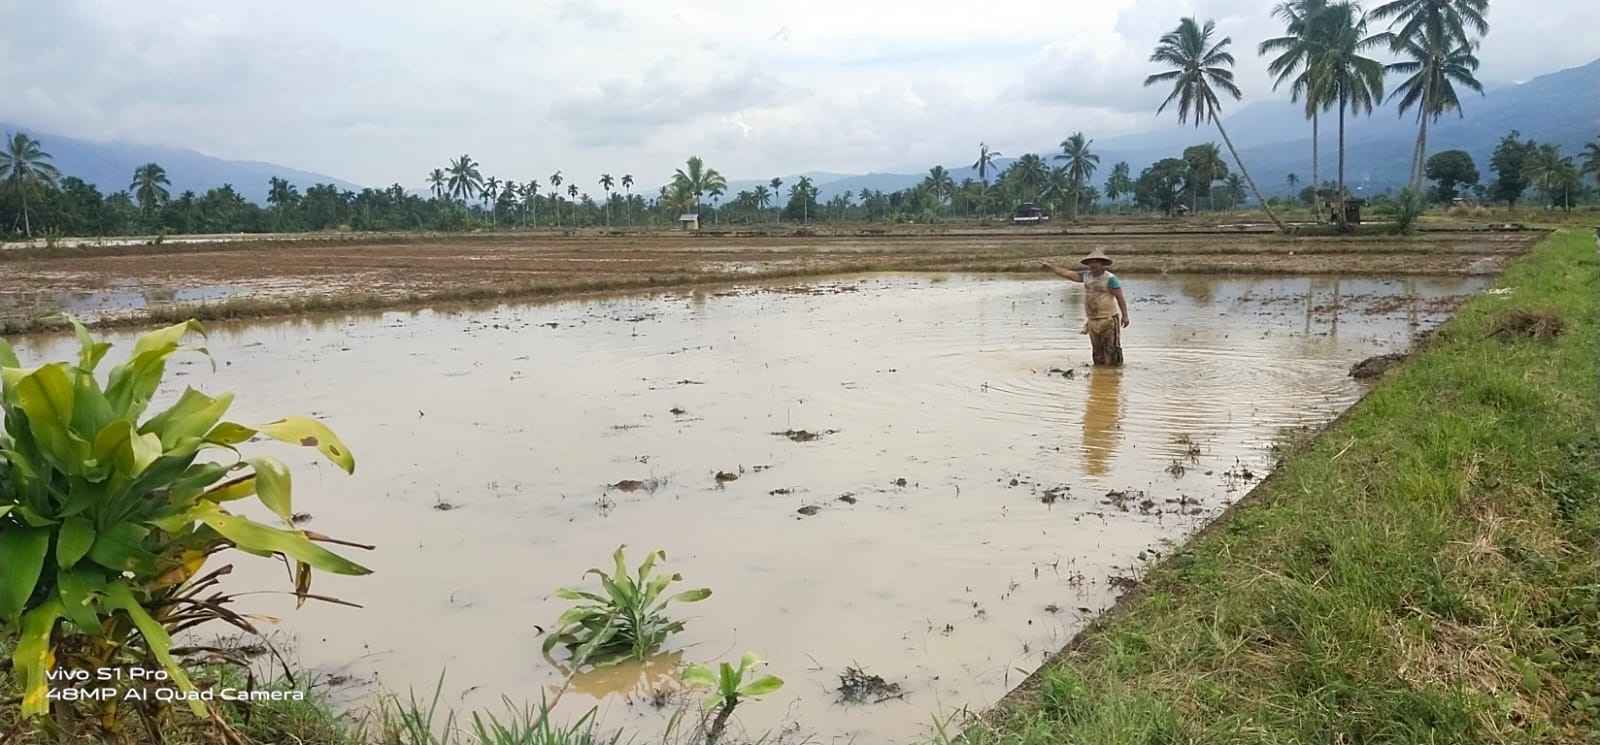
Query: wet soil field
{"x": 905, "y": 490}
{"x": 390, "y": 272}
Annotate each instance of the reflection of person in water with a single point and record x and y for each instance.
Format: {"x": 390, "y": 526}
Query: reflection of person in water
{"x": 1101, "y": 417}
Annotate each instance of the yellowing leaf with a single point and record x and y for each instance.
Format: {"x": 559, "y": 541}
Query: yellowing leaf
{"x": 299, "y": 430}
{"x": 155, "y": 638}
{"x": 254, "y": 536}
{"x": 32, "y": 657}
{"x": 236, "y": 489}
{"x": 8, "y": 356}
{"x": 273, "y": 486}
{"x": 188, "y": 566}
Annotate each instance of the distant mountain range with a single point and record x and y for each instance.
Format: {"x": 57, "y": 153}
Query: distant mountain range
{"x": 110, "y": 166}
{"x": 1273, "y": 137}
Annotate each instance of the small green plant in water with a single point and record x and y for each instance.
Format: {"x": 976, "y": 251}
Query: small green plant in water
{"x": 107, "y": 517}
{"x": 728, "y": 689}
{"x": 627, "y": 622}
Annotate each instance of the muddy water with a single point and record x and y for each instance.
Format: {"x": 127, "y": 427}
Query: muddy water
{"x": 117, "y": 300}
{"x": 977, "y": 535}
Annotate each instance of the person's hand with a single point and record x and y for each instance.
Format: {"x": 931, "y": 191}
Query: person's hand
{"x": 1125, "y": 321}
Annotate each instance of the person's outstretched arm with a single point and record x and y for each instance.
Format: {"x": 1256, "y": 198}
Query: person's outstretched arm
{"x": 1063, "y": 273}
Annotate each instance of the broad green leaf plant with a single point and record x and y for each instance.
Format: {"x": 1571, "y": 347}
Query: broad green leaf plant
{"x": 728, "y": 688}
{"x": 727, "y": 684}
{"x": 625, "y": 623}
{"x": 107, "y": 515}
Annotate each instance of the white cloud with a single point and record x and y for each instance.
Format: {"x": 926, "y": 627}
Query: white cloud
{"x": 378, "y": 92}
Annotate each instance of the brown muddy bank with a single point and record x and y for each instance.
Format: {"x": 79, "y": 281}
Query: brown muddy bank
{"x": 263, "y": 279}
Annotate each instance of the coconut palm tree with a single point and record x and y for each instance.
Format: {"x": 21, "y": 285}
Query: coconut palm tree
{"x": 1121, "y": 182}
{"x": 149, "y": 187}
{"x": 1452, "y": 22}
{"x": 572, "y": 193}
{"x": 1542, "y": 169}
{"x": 282, "y": 196}
{"x": 1080, "y": 166}
{"x": 436, "y": 182}
{"x": 489, "y": 193}
{"x": 1205, "y": 167}
{"x": 775, "y": 183}
{"x": 761, "y": 196}
{"x": 24, "y": 167}
{"x": 1339, "y": 65}
{"x": 1234, "y": 188}
{"x": 939, "y": 183}
{"x": 1301, "y": 37}
{"x": 1440, "y": 37}
{"x": 1200, "y": 68}
{"x": 700, "y": 178}
{"x": 985, "y": 162}
{"x": 464, "y": 181}
{"x": 627, "y": 188}
{"x": 1435, "y": 68}
{"x": 1591, "y": 160}
{"x": 807, "y": 194}
{"x": 555, "y": 195}
{"x": 606, "y": 182}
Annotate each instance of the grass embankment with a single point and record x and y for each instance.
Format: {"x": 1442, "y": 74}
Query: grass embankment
{"x": 1425, "y": 571}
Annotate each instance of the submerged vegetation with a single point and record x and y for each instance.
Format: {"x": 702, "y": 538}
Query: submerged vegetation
{"x": 628, "y": 621}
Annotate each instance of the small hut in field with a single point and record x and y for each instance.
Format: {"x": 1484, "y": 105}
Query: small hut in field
{"x": 689, "y": 221}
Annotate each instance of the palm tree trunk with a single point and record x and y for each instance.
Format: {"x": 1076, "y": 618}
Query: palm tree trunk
{"x": 1270, "y": 214}
{"x": 1422, "y": 130}
{"x": 1316, "y": 184}
{"x": 1422, "y": 152}
{"x": 26, "y": 227}
{"x": 1343, "y": 224}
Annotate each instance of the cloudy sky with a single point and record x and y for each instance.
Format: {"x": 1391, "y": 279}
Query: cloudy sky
{"x": 382, "y": 91}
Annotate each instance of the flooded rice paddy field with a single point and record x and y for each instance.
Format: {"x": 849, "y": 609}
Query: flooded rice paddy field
{"x": 127, "y": 281}
{"x": 932, "y": 486}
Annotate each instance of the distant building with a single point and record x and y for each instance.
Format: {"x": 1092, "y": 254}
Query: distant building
{"x": 1028, "y": 212}
{"x": 689, "y": 221}
{"x": 1352, "y": 209}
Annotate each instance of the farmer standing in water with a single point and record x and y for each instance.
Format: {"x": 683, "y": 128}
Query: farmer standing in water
{"x": 1104, "y": 307}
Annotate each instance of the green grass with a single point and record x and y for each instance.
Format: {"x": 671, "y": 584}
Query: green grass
{"x": 1424, "y": 572}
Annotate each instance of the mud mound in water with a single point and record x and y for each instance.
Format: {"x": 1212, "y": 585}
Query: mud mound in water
{"x": 1373, "y": 367}
{"x": 1540, "y": 325}
{"x": 800, "y": 435}
{"x": 857, "y": 687}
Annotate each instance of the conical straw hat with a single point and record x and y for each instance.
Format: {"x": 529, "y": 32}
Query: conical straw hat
{"x": 1099, "y": 252}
